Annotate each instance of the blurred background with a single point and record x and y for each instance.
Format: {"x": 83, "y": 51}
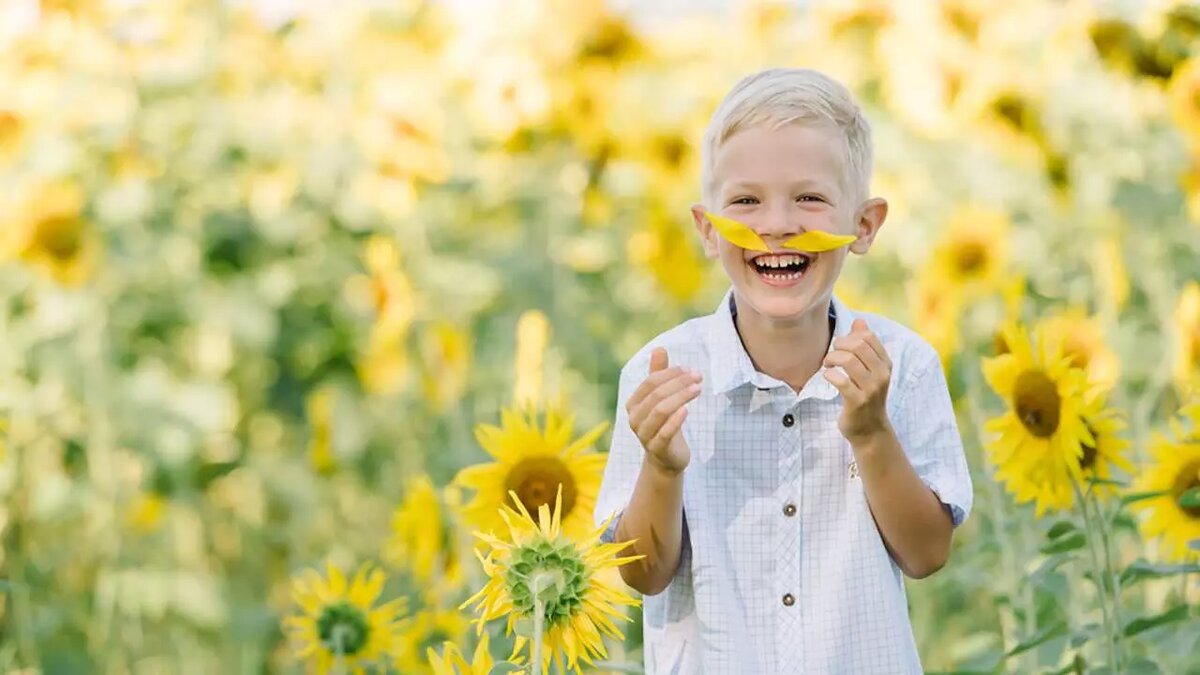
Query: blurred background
{"x": 266, "y": 265}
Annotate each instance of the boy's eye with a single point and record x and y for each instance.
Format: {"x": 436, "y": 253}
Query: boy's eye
{"x": 810, "y": 198}
{"x": 744, "y": 200}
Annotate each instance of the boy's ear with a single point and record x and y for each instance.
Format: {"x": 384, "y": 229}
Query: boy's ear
{"x": 868, "y": 219}
{"x": 708, "y": 235}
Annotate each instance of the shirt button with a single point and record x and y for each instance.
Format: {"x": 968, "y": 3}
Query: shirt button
{"x": 789, "y": 510}
{"x": 788, "y": 420}
{"x": 788, "y": 600}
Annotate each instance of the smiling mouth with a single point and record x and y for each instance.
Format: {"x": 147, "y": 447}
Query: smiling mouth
{"x": 786, "y": 267}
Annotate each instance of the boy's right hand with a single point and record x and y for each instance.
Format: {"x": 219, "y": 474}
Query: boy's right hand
{"x": 656, "y": 412}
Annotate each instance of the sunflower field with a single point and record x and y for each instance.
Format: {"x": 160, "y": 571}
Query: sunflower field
{"x": 312, "y": 312}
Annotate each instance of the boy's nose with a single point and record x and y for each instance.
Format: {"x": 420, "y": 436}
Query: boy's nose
{"x": 778, "y": 226}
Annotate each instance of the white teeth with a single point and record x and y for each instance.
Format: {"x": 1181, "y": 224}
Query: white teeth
{"x": 778, "y": 260}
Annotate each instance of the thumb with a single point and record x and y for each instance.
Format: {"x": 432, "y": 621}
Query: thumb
{"x": 859, "y": 326}
{"x": 658, "y": 359}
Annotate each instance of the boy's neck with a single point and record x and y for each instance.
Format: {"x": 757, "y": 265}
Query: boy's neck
{"x": 791, "y": 352}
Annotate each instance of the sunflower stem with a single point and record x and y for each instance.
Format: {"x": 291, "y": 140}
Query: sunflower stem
{"x": 539, "y": 626}
{"x": 1102, "y": 579}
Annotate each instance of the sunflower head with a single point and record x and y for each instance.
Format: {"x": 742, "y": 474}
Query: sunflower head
{"x": 339, "y": 624}
{"x": 972, "y": 255}
{"x": 1174, "y": 472}
{"x": 453, "y": 662}
{"x": 537, "y": 567}
{"x": 1038, "y": 444}
{"x": 1187, "y": 339}
{"x": 535, "y": 460}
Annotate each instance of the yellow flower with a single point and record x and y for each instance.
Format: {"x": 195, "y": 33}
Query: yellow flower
{"x": 422, "y": 540}
{"x": 429, "y": 628}
{"x": 446, "y": 349}
{"x": 384, "y": 367}
{"x": 1039, "y": 442}
{"x": 664, "y": 248}
{"x": 320, "y": 406}
{"x": 533, "y": 332}
{"x": 452, "y": 662}
{"x": 1103, "y": 455}
{"x": 972, "y": 255}
{"x": 538, "y": 564}
{"x": 936, "y": 305}
{"x": 340, "y": 626}
{"x": 52, "y": 233}
{"x": 1187, "y": 339}
{"x": 1082, "y": 341}
{"x": 1176, "y": 470}
{"x": 146, "y": 513}
{"x": 533, "y": 462}
{"x": 1184, "y": 93}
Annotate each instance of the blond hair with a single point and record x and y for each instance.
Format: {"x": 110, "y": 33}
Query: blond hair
{"x": 780, "y": 96}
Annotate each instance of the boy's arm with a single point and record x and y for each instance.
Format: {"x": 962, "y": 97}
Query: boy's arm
{"x": 916, "y": 522}
{"x": 649, "y": 452}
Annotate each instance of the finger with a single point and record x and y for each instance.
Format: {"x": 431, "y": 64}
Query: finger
{"x": 639, "y": 413}
{"x": 841, "y": 382}
{"x": 873, "y": 340}
{"x": 657, "y": 415}
{"x": 867, "y": 354}
{"x": 653, "y": 381}
{"x": 658, "y": 359}
{"x": 849, "y": 362}
{"x": 668, "y": 430}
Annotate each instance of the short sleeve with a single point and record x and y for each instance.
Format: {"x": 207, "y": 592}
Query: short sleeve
{"x": 625, "y": 452}
{"x": 927, "y": 430}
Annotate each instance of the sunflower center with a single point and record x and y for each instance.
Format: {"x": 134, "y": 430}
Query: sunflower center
{"x": 999, "y": 343}
{"x": 559, "y": 559}
{"x": 1037, "y": 404}
{"x": 536, "y": 481}
{"x": 1188, "y": 478}
{"x": 342, "y": 628}
{"x": 59, "y": 237}
{"x": 970, "y": 257}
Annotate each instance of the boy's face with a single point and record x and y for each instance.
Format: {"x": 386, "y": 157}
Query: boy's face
{"x": 783, "y": 182}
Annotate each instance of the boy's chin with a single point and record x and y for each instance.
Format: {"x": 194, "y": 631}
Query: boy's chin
{"x": 773, "y": 304}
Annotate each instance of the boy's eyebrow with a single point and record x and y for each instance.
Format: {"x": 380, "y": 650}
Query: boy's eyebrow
{"x": 800, "y": 184}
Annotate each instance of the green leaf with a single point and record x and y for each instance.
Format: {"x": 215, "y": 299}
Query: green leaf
{"x": 1140, "y": 569}
{"x": 1141, "y": 496}
{"x": 1107, "y": 481}
{"x": 1073, "y": 541}
{"x": 1140, "y": 665}
{"x": 1190, "y": 499}
{"x": 1041, "y": 637}
{"x": 1060, "y": 528}
{"x": 1085, "y": 634}
{"x": 1142, "y": 624}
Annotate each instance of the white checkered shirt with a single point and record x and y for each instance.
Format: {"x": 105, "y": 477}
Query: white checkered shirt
{"x": 783, "y": 569}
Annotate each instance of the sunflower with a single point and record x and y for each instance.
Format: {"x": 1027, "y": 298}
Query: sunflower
{"x": 429, "y": 627}
{"x": 1105, "y": 453}
{"x": 536, "y": 563}
{"x": 974, "y": 251}
{"x": 52, "y": 233}
{"x": 1187, "y": 339}
{"x": 1176, "y": 470}
{"x": 533, "y": 332}
{"x": 340, "y": 626}
{"x": 319, "y": 407}
{"x": 1082, "y": 341}
{"x": 936, "y": 306}
{"x": 1039, "y": 442}
{"x": 532, "y": 462}
{"x": 383, "y": 369}
{"x": 452, "y": 662}
{"x": 1184, "y": 93}
{"x": 422, "y": 539}
{"x": 446, "y": 352}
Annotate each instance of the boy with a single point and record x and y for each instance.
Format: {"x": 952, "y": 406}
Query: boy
{"x": 781, "y": 462}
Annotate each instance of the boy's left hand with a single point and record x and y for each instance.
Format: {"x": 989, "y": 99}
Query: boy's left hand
{"x": 864, "y": 385}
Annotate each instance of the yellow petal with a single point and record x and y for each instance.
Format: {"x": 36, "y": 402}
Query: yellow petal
{"x": 737, "y": 233}
{"x": 816, "y": 241}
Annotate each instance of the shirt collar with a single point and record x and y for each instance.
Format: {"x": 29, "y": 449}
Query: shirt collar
{"x": 729, "y": 364}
